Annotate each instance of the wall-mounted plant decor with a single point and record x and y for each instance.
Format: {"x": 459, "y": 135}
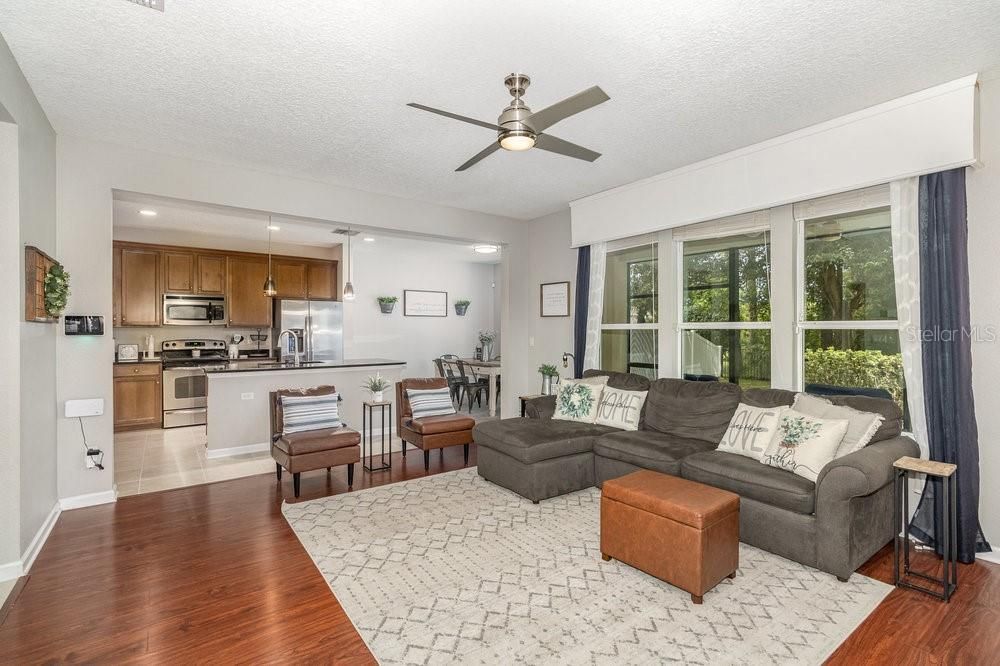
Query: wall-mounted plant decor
{"x": 387, "y": 303}
{"x": 461, "y": 307}
{"x": 56, "y": 290}
{"x": 46, "y": 286}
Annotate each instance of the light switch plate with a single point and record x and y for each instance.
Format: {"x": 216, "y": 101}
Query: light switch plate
{"x": 246, "y": 396}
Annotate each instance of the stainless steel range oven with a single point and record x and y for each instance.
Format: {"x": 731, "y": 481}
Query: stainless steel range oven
{"x": 185, "y": 387}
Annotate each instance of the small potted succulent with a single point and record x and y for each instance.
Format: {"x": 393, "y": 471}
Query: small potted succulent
{"x": 461, "y": 307}
{"x": 387, "y": 303}
{"x": 376, "y": 385}
{"x": 550, "y": 377}
{"x": 56, "y": 287}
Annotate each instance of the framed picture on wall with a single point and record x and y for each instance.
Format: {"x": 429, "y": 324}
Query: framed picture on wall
{"x": 419, "y": 303}
{"x": 554, "y": 299}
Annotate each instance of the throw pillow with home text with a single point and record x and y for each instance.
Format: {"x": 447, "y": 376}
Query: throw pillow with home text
{"x": 751, "y": 430}
{"x": 620, "y": 409}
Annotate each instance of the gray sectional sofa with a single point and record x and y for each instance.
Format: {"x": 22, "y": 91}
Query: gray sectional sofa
{"x": 834, "y": 525}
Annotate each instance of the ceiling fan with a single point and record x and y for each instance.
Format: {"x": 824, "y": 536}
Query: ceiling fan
{"x": 518, "y": 128}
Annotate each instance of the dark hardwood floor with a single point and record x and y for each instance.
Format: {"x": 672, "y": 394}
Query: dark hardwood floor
{"x": 213, "y": 573}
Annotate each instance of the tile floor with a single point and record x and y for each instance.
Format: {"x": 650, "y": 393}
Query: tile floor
{"x": 150, "y": 460}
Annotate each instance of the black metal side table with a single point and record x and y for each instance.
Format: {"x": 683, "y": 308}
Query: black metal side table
{"x": 949, "y": 524}
{"x": 367, "y": 435}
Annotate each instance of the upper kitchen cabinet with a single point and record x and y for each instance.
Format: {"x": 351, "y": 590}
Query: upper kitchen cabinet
{"x": 178, "y": 272}
{"x": 289, "y": 278}
{"x": 321, "y": 280}
{"x": 248, "y": 306}
{"x": 211, "y": 274}
{"x": 116, "y": 285}
{"x": 139, "y": 277}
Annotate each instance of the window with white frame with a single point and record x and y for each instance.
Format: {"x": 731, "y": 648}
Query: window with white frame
{"x": 724, "y": 317}
{"x": 630, "y": 318}
{"x": 846, "y": 305}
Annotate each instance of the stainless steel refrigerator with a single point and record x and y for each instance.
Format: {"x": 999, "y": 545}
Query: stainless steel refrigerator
{"x": 318, "y": 328}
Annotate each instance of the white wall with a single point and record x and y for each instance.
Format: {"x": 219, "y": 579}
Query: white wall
{"x": 33, "y": 482}
{"x": 386, "y": 268}
{"x": 531, "y": 339}
{"x": 983, "y": 189}
{"x": 90, "y": 170}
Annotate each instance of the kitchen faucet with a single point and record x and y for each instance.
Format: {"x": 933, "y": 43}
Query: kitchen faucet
{"x": 295, "y": 345}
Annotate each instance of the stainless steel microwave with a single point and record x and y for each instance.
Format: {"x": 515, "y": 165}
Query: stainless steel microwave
{"x": 188, "y": 310}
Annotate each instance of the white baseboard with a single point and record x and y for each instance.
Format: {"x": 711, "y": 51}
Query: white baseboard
{"x": 17, "y": 568}
{"x": 11, "y": 570}
{"x": 28, "y": 558}
{"x": 91, "y": 499}
{"x": 211, "y": 454}
{"x": 993, "y": 556}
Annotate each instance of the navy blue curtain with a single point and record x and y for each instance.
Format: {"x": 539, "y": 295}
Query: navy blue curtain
{"x": 582, "y": 299}
{"x": 947, "y": 360}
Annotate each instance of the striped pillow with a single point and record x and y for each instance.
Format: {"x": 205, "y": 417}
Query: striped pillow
{"x": 430, "y": 402}
{"x": 309, "y": 412}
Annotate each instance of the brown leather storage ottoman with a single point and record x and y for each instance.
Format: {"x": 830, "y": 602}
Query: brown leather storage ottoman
{"x": 682, "y": 532}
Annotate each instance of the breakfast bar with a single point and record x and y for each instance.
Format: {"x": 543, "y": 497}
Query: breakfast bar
{"x": 238, "y": 396}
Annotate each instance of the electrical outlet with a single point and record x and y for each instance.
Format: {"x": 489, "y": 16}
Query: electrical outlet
{"x": 90, "y": 462}
{"x": 531, "y": 341}
{"x": 246, "y": 396}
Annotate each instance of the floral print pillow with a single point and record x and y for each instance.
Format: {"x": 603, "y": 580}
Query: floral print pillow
{"x": 578, "y": 399}
{"x": 804, "y": 444}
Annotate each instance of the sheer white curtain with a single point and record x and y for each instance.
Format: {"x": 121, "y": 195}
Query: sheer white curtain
{"x": 906, "y": 266}
{"x": 595, "y": 305}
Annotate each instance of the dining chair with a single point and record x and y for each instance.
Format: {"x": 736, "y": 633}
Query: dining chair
{"x": 472, "y": 385}
{"x": 447, "y": 371}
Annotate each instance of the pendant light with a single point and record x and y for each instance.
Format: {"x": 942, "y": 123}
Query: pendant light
{"x": 270, "y": 288}
{"x": 349, "y": 286}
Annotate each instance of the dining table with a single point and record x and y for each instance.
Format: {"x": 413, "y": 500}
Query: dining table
{"x": 492, "y": 370}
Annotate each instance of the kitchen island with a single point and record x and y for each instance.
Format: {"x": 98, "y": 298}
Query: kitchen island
{"x": 239, "y": 396}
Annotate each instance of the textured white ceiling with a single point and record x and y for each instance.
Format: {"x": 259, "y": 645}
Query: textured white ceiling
{"x": 319, "y": 88}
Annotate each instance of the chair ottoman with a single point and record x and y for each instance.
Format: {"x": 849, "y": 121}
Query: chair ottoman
{"x": 679, "y": 531}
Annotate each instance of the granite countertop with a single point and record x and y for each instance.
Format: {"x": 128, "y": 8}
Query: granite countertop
{"x": 254, "y": 365}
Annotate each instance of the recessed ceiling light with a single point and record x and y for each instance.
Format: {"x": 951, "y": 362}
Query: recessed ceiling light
{"x": 368, "y": 239}
{"x": 486, "y": 249}
{"x": 273, "y": 227}
{"x": 147, "y": 212}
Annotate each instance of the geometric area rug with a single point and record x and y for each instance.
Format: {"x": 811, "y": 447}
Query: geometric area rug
{"x": 450, "y": 568}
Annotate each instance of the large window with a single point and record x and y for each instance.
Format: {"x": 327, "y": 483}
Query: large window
{"x": 629, "y": 338}
{"x": 847, "y": 306}
{"x": 725, "y": 307}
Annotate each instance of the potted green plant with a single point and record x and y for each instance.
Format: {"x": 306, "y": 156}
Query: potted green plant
{"x": 56, "y": 290}
{"x": 486, "y": 339}
{"x": 387, "y": 303}
{"x": 376, "y": 385}
{"x": 461, "y": 307}
{"x": 550, "y": 377}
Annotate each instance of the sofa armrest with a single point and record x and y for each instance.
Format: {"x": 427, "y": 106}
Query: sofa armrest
{"x": 863, "y": 472}
{"x": 540, "y": 408}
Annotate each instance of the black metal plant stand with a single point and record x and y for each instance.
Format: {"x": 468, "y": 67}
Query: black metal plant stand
{"x": 368, "y": 439}
{"x": 948, "y": 581}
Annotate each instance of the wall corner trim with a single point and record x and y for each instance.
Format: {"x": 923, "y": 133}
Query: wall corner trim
{"x": 41, "y": 536}
{"x": 91, "y": 499}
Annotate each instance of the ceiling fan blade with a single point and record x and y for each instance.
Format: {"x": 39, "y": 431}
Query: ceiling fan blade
{"x": 556, "y": 145}
{"x": 550, "y": 115}
{"x": 484, "y": 153}
{"x": 455, "y": 116}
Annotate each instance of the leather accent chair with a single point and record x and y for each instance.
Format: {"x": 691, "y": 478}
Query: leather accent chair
{"x": 313, "y": 449}
{"x": 430, "y": 432}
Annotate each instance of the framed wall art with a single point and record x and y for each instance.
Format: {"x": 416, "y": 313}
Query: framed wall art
{"x": 419, "y": 303}
{"x": 554, "y": 299}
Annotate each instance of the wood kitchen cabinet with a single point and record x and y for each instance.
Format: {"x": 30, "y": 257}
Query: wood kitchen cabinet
{"x": 248, "y": 306}
{"x": 178, "y": 272}
{"x": 116, "y": 285}
{"x": 321, "y": 280}
{"x": 211, "y": 274}
{"x": 139, "y": 294}
{"x": 290, "y": 278}
{"x": 138, "y": 396}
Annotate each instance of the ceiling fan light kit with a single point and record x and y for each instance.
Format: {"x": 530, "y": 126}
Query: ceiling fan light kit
{"x": 519, "y": 129}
